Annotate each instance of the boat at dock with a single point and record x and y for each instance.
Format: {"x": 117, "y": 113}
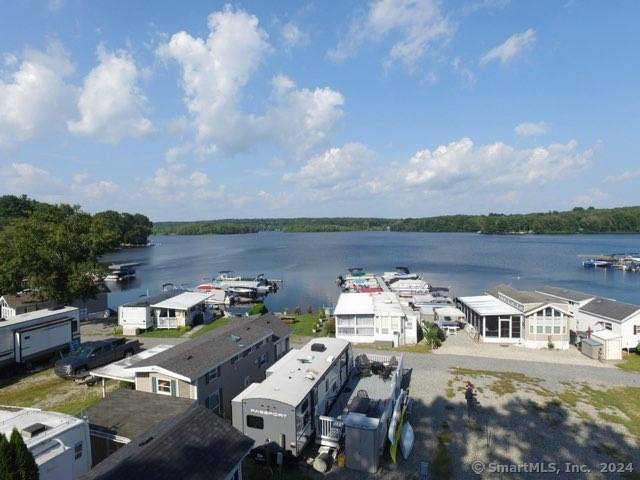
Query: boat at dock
{"x": 628, "y": 262}
{"x": 243, "y": 289}
{"x": 121, "y": 272}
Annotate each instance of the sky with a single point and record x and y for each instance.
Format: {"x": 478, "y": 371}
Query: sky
{"x": 385, "y": 108}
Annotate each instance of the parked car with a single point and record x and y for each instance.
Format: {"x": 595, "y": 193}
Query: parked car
{"x": 91, "y": 355}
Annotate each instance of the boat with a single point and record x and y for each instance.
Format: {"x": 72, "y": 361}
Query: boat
{"x": 121, "y": 272}
{"x": 406, "y": 440}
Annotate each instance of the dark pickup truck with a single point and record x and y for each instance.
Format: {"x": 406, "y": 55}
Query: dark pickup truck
{"x": 91, "y": 355}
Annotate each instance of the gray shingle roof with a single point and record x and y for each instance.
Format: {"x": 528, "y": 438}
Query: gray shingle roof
{"x": 610, "y": 308}
{"x": 146, "y": 301}
{"x": 129, "y": 413}
{"x": 566, "y": 294}
{"x": 194, "y": 357}
{"x": 194, "y": 445}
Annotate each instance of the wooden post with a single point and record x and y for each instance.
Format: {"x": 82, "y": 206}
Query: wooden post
{"x": 104, "y": 389}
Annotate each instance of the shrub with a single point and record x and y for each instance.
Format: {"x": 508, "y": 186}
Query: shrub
{"x": 329, "y": 328}
{"x": 258, "y": 309}
{"x": 310, "y": 310}
{"x": 434, "y": 336}
{"x": 322, "y": 314}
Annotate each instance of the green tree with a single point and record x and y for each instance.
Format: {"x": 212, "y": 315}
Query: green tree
{"x": 7, "y": 464}
{"x": 25, "y": 465}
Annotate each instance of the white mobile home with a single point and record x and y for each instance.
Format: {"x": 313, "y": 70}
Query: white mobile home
{"x": 137, "y": 316}
{"x": 285, "y": 408}
{"x": 59, "y": 443}
{"x": 181, "y": 310}
{"x": 33, "y": 335}
{"x": 375, "y": 317}
{"x": 621, "y": 318}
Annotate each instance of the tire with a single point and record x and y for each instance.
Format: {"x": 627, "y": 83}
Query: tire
{"x": 81, "y": 372}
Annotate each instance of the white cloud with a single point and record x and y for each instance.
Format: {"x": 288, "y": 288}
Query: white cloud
{"x": 623, "y": 177}
{"x": 111, "y": 104}
{"x": 463, "y": 164}
{"x": 529, "y": 129}
{"x": 334, "y": 172}
{"x": 512, "y": 47}
{"x": 590, "y": 197}
{"x": 300, "y": 118}
{"x": 420, "y": 24}
{"x": 292, "y": 35}
{"x": 19, "y": 178}
{"x": 81, "y": 185}
{"x": 35, "y": 98}
{"x": 215, "y": 72}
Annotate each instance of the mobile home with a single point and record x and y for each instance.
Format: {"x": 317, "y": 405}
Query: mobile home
{"x": 137, "y": 316}
{"x": 301, "y": 387}
{"x": 59, "y": 443}
{"x": 34, "y": 335}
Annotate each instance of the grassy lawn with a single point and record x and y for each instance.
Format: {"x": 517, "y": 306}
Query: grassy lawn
{"x": 630, "y": 363}
{"x": 220, "y": 322}
{"x": 305, "y": 323}
{"x": 165, "y": 333}
{"x": 47, "y": 391}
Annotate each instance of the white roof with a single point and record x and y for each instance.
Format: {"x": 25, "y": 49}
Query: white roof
{"x": 297, "y": 373}
{"x": 605, "y": 334}
{"x": 121, "y": 370}
{"x": 183, "y": 301}
{"x": 386, "y": 303}
{"x": 485, "y": 305}
{"x": 38, "y": 314}
{"x": 20, "y": 418}
{"x": 354, "y": 304}
{"x": 448, "y": 312}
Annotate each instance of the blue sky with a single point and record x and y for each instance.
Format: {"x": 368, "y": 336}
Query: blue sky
{"x": 375, "y": 108}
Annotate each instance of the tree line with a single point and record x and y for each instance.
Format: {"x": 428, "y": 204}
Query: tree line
{"x": 54, "y": 249}
{"x": 578, "y": 220}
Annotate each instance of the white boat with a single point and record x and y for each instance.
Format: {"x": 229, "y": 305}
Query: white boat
{"x": 121, "y": 272}
{"x": 406, "y": 440}
{"x": 395, "y": 418}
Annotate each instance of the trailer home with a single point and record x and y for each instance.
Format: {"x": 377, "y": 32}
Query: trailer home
{"x": 34, "y": 335}
{"x": 59, "y": 443}
{"x": 300, "y": 388}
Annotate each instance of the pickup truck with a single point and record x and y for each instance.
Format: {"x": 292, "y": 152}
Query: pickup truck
{"x": 91, "y": 355}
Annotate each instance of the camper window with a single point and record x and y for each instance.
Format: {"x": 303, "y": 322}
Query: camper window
{"x": 304, "y": 405}
{"x": 78, "y": 450}
{"x": 254, "y": 421}
{"x": 264, "y": 358}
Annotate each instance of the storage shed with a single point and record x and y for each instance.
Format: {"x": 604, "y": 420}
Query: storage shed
{"x": 611, "y": 344}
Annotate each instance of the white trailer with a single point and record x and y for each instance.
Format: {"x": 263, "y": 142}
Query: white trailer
{"x": 60, "y": 444}
{"x": 34, "y": 335}
{"x": 137, "y": 316}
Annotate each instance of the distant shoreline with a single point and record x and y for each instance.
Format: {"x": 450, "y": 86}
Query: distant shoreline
{"x": 623, "y": 220}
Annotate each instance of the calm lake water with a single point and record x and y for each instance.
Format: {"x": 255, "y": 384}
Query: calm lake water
{"x": 308, "y": 263}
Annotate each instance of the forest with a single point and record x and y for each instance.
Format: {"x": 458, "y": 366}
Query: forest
{"x": 577, "y": 220}
{"x": 55, "y": 249}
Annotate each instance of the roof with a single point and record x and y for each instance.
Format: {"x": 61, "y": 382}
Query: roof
{"x": 565, "y": 293}
{"x": 152, "y": 300}
{"x": 195, "y": 357}
{"x": 610, "y": 309}
{"x": 387, "y": 303}
{"x": 605, "y": 334}
{"x": 293, "y": 377}
{"x": 485, "y": 305}
{"x": 520, "y": 296}
{"x": 182, "y": 301}
{"x": 21, "y": 418}
{"x": 354, "y": 304}
{"x": 129, "y": 413}
{"x": 61, "y": 312}
{"x": 196, "y": 444}
{"x": 26, "y": 298}
{"x": 448, "y": 312}
{"x": 121, "y": 370}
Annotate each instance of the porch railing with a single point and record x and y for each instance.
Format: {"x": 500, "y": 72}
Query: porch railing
{"x": 329, "y": 429}
{"x": 167, "y": 322}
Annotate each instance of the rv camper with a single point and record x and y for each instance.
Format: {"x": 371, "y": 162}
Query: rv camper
{"x": 34, "y": 335}
{"x": 302, "y": 386}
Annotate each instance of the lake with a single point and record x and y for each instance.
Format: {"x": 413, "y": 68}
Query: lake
{"x": 308, "y": 263}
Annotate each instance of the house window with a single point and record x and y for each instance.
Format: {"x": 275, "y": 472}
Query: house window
{"x": 246, "y": 352}
{"x": 163, "y": 387}
{"x": 608, "y": 326}
{"x": 253, "y": 421}
{"x": 264, "y": 358}
{"x": 78, "y": 450}
{"x": 636, "y": 329}
{"x": 212, "y": 375}
{"x": 213, "y": 401}
{"x": 234, "y": 359}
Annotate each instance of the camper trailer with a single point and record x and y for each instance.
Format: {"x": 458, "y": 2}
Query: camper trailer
{"x": 301, "y": 387}
{"x": 34, "y": 335}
